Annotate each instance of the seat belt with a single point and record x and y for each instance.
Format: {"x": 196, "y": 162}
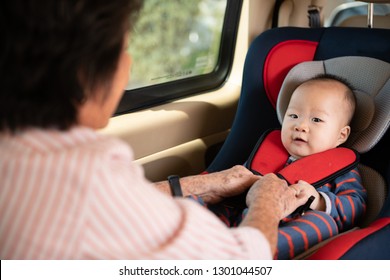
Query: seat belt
{"x": 314, "y": 15}
{"x": 275, "y": 15}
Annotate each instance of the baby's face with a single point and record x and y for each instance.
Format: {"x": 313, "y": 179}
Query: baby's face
{"x": 316, "y": 119}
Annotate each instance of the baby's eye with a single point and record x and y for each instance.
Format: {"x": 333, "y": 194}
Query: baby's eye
{"x": 293, "y": 116}
{"x": 316, "y": 120}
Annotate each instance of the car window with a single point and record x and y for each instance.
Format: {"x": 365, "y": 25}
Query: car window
{"x": 179, "y": 44}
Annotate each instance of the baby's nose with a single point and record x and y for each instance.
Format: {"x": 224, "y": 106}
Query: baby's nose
{"x": 301, "y": 126}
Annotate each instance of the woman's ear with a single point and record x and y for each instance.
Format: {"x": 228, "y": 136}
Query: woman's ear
{"x": 344, "y": 134}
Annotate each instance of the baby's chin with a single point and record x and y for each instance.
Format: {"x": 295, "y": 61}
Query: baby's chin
{"x": 299, "y": 154}
{"x": 298, "y": 150}
{"x": 303, "y": 154}
{"x": 295, "y": 155}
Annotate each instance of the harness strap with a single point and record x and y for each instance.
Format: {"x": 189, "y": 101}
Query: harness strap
{"x": 314, "y": 15}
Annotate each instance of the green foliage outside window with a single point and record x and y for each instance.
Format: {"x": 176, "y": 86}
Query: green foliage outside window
{"x": 175, "y": 39}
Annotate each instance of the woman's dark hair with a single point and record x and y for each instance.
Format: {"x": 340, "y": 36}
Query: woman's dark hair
{"x": 53, "y": 52}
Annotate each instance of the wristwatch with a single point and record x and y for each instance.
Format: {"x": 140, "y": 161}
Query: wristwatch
{"x": 174, "y": 184}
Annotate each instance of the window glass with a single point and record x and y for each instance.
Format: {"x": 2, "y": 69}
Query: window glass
{"x": 180, "y": 48}
{"x": 175, "y": 39}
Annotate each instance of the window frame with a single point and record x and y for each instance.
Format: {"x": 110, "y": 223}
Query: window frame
{"x": 145, "y": 97}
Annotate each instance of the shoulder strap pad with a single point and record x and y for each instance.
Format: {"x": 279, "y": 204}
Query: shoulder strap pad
{"x": 269, "y": 156}
{"x": 320, "y": 168}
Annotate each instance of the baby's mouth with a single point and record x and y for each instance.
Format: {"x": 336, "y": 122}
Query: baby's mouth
{"x": 300, "y": 140}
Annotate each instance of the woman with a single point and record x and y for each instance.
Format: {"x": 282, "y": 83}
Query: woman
{"x": 69, "y": 193}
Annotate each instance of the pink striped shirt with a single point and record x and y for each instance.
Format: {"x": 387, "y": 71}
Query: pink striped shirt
{"x": 78, "y": 195}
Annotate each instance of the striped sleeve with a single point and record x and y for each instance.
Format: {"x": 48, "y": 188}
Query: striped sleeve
{"x": 348, "y": 199}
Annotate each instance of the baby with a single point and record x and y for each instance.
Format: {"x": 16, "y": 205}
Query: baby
{"x": 317, "y": 119}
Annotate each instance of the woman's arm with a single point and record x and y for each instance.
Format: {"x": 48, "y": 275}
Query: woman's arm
{"x": 214, "y": 187}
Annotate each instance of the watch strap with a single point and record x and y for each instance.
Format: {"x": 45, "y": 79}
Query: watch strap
{"x": 174, "y": 184}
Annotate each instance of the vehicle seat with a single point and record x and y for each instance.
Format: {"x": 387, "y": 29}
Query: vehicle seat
{"x": 272, "y": 55}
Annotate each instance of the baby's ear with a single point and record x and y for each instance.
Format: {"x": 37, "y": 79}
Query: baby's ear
{"x": 344, "y": 134}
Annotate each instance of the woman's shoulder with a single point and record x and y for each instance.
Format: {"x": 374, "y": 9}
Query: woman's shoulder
{"x": 80, "y": 140}
{"x": 89, "y": 141}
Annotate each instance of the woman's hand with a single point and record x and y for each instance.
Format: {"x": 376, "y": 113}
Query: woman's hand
{"x": 269, "y": 200}
{"x": 276, "y": 193}
{"x": 214, "y": 187}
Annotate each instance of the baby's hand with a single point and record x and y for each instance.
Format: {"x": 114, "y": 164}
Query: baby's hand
{"x": 305, "y": 190}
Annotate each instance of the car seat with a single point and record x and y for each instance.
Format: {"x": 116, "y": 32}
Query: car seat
{"x": 270, "y": 58}
{"x": 371, "y": 121}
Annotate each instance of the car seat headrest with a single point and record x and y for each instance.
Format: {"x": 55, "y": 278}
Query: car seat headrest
{"x": 370, "y": 79}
